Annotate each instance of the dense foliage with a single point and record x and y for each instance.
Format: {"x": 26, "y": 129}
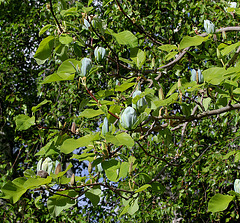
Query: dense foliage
{"x": 130, "y": 111}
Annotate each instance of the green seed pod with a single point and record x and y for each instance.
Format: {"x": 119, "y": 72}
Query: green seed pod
{"x": 140, "y": 103}
{"x": 105, "y": 127}
{"x": 86, "y": 66}
{"x": 128, "y": 118}
{"x": 237, "y": 186}
{"x": 99, "y": 53}
{"x": 209, "y": 26}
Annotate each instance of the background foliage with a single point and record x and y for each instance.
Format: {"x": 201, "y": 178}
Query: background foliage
{"x": 177, "y": 161}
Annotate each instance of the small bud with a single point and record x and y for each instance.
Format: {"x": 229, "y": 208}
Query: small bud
{"x": 72, "y": 181}
{"x": 42, "y": 173}
{"x": 90, "y": 167}
{"x": 73, "y": 128}
{"x": 105, "y": 127}
{"x": 58, "y": 168}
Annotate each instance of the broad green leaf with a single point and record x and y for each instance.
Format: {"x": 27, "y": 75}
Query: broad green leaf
{"x": 65, "y": 39}
{"x": 36, "y": 108}
{"x": 229, "y": 154}
{"x": 55, "y": 77}
{"x": 57, "y": 203}
{"x": 144, "y": 187}
{"x": 49, "y": 149}
{"x": 44, "y": 50}
{"x": 126, "y": 38}
{"x": 14, "y": 190}
{"x": 60, "y": 174}
{"x": 124, "y": 168}
{"x": 121, "y": 139}
{"x": 93, "y": 195}
{"x": 37, "y": 202}
{"x": 167, "y": 101}
{"x": 32, "y": 183}
{"x": 44, "y": 29}
{"x": 24, "y": 122}
{"x": 167, "y": 47}
{"x": 219, "y": 202}
{"x": 71, "y": 144}
{"x": 188, "y": 41}
{"x": 68, "y": 68}
{"x": 138, "y": 56}
{"x": 229, "y": 49}
{"x": 90, "y": 113}
{"x": 124, "y": 86}
{"x": 171, "y": 55}
{"x": 236, "y": 91}
{"x": 133, "y": 206}
{"x": 111, "y": 168}
{"x": 69, "y": 12}
{"x": 215, "y": 75}
{"x": 84, "y": 156}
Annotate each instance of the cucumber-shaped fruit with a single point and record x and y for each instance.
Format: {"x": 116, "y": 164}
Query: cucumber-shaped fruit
{"x": 128, "y": 118}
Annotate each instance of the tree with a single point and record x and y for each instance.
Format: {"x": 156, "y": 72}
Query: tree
{"x": 142, "y": 98}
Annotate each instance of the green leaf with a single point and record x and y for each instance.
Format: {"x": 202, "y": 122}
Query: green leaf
{"x": 126, "y": 38}
{"x": 35, "y": 108}
{"x": 215, "y": 75}
{"x": 124, "y": 86}
{"x": 68, "y": 69}
{"x": 57, "y": 203}
{"x": 84, "y": 156}
{"x": 219, "y": 202}
{"x": 44, "y": 50}
{"x": 120, "y": 139}
{"x": 14, "y": 190}
{"x": 229, "y": 49}
{"x": 144, "y": 187}
{"x": 173, "y": 98}
{"x": 171, "y": 55}
{"x": 90, "y": 113}
{"x": 24, "y": 122}
{"x": 188, "y": 41}
{"x": 124, "y": 168}
{"x": 71, "y": 144}
{"x": 93, "y": 195}
{"x": 44, "y": 29}
{"x": 65, "y": 39}
{"x": 111, "y": 168}
{"x": 167, "y": 47}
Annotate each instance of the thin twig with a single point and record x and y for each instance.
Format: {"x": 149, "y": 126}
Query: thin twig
{"x": 51, "y": 9}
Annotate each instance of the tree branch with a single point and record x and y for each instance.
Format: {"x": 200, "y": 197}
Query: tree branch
{"x": 55, "y": 18}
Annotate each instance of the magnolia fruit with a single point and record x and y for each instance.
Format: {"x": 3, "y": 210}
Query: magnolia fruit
{"x": 86, "y": 66}
{"x": 237, "y": 185}
{"x": 128, "y": 118}
{"x": 105, "y": 127}
{"x": 141, "y": 102}
{"x": 209, "y": 26}
{"x": 99, "y": 53}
